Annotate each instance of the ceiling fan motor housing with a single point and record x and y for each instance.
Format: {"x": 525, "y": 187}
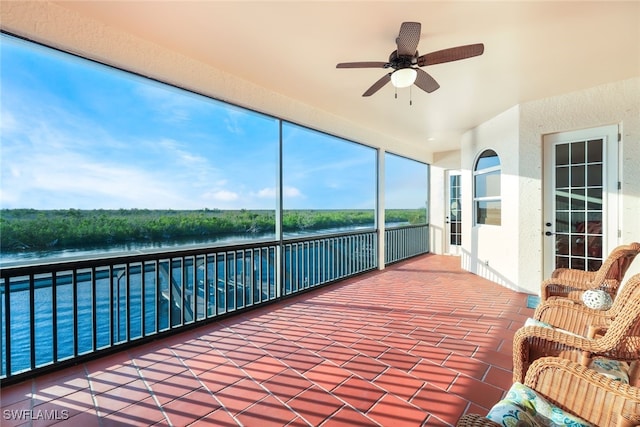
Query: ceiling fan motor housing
{"x": 399, "y": 62}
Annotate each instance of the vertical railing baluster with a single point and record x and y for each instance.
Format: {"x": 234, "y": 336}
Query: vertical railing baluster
{"x": 143, "y": 300}
{"x": 127, "y": 301}
{"x": 193, "y": 289}
{"x": 158, "y": 295}
{"x": 225, "y": 281}
{"x": 172, "y": 301}
{"x": 94, "y": 310}
{"x": 7, "y": 324}
{"x": 294, "y": 266}
{"x": 249, "y": 277}
{"x": 74, "y": 297}
{"x": 183, "y": 294}
{"x": 205, "y": 287}
{"x": 54, "y": 315}
{"x": 32, "y": 321}
{"x": 111, "y": 315}
{"x": 215, "y": 281}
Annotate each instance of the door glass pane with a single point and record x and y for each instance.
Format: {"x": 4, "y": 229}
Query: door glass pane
{"x": 594, "y": 175}
{"x": 562, "y": 177}
{"x": 594, "y": 151}
{"x": 594, "y": 199}
{"x": 577, "y": 199}
{"x": 562, "y": 222}
{"x": 577, "y": 153}
{"x": 455, "y": 215}
{"x": 562, "y": 154}
{"x": 578, "y": 204}
{"x": 577, "y": 176}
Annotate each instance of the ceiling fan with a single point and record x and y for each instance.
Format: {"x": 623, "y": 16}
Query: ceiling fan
{"x": 405, "y": 61}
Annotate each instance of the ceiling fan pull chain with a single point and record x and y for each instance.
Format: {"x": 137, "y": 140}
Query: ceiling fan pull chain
{"x": 410, "y": 97}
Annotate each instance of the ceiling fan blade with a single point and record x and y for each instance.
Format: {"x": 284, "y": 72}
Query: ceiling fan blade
{"x": 369, "y": 64}
{"x": 378, "y": 85}
{"x": 408, "y": 38}
{"x": 451, "y": 54}
{"x": 425, "y": 82}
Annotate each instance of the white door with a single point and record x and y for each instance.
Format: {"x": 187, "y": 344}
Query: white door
{"x": 453, "y": 218}
{"x": 580, "y": 198}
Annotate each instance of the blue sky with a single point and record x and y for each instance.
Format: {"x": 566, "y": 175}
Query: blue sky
{"x": 74, "y": 134}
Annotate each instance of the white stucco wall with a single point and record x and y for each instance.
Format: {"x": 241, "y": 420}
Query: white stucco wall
{"x": 489, "y": 250}
{"x": 514, "y": 251}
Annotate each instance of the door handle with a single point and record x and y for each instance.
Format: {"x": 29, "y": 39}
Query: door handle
{"x": 548, "y": 233}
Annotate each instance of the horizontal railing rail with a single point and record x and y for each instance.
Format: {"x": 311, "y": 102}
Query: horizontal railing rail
{"x": 55, "y": 313}
{"x": 405, "y": 242}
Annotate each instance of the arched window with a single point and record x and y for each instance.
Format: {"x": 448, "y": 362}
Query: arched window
{"x": 486, "y": 189}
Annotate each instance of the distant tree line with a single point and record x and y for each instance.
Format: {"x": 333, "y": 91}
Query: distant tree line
{"x": 31, "y": 229}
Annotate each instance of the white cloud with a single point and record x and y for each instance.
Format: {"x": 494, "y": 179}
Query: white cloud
{"x": 267, "y": 193}
{"x": 270, "y": 192}
{"x": 8, "y": 122}
{"x": 221, "y": 196}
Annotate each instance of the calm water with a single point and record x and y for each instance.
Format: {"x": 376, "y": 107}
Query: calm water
{"x": 13, "y": 258}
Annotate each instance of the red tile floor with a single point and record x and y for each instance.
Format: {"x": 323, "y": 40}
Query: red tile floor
{"x": 420, "y": 343}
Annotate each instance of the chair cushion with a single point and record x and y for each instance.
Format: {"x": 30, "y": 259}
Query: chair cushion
{"x": 509, "y": 414}
{"x": 597, "y": 299}
{"x": 535, "y": 322}
{"x": 614, "y": 369}
{"x": 524, "y": 406}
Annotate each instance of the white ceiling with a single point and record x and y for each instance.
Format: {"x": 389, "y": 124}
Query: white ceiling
{"x": 533, "y": 50}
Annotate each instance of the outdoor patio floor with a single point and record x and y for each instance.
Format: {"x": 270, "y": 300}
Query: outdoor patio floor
{"x": 420, "y": 343}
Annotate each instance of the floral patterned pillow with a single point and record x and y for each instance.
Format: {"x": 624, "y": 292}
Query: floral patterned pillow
{"x": 524, "y": 407}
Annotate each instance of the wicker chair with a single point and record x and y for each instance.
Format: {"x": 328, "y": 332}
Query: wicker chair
{"x": 571, "y": 283}
{"x": 619, "y": 339}
{"x": 580, "y": 391}
{"x": 575, "y": 317}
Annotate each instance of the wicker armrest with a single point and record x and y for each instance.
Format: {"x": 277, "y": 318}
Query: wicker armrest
{"x": 532, "y": 342}
{"x": 584, "y": 392}
{"x": 572, "y": 274}
{"x": 474, "y": 420}
{"x": 565, "y": 287}
{"x": 571, "y": 315}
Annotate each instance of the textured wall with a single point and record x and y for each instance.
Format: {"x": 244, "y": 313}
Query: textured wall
{"x": 609, "y": 104}
{"x": 488, "y": 250}
{"x": 513, "y": 253}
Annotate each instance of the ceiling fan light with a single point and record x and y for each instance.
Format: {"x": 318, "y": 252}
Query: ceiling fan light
{"x": 404, "y": 77}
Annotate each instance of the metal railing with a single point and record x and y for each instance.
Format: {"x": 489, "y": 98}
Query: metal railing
{"x": 57, "y": 313}
{"x": 405, "y": 242}
{"x": 314, "y": 262}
